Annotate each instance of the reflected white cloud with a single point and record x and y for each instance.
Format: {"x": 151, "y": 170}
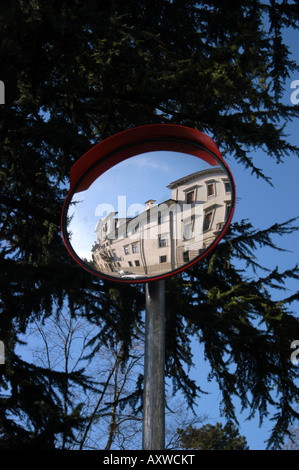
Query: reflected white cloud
{"x": 152, "y": 162}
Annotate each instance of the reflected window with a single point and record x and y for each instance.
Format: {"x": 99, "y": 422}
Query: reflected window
{"x": 190, "y": 197}
{"x": 219, "y": 226}
{"x": 162, "y": 218}
{"x": 227, "y": 210}
{"x": 207, "y": 222}
{"x": 189, "y": 227}
{"x": 126, "y": 249}
{"x": 227, "y": 186}
{"x": 211, "y": 189}
{"x": 162, "y": 241}
{"x": 135, "y": 248}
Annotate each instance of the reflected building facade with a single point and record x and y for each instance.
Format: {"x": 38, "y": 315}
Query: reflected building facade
{"x": 167, "y": 235}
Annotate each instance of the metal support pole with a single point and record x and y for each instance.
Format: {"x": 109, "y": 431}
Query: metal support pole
{"x": 154, "y": 364}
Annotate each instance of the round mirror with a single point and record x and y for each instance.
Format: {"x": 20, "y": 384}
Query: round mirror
{"x": 134, "y": 215}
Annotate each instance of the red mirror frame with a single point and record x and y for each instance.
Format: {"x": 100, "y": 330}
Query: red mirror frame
{"x": 132, "y": 142}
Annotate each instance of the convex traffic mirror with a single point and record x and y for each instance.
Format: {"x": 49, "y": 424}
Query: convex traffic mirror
{"x": 147, "y": 203}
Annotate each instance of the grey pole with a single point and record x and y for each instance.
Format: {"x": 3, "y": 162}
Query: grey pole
{"x": 154, "y": 364}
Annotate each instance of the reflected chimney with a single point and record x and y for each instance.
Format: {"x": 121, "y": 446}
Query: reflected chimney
{"x": 149, "y": 204}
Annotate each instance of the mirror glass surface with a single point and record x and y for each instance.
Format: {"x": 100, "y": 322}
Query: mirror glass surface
{"x": 149, "y": 215}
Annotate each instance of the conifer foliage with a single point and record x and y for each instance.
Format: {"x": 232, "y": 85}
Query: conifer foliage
{"x": 77, "y": 72}
{"x": 210, "y": 437}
